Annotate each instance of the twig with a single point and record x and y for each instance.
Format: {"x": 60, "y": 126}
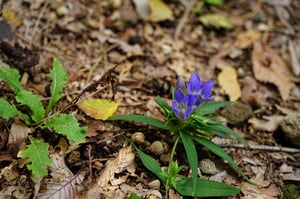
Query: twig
{"x": 38, "y": 22}
{"x": 262, "y": 147}
{"x": 184, "y": 18}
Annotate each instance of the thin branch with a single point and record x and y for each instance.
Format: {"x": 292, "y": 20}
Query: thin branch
{"x": 184, "y": 18}
{"x": 262, "y": 147}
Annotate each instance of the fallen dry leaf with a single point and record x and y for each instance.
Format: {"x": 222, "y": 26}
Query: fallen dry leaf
{"x": 99, "y": 109}
{"x": 270, "y": 124}
{"x": 159, "y": 11}
{"x": 269, "y": 67}
{"x": 227, "y": 79}
{"x": 246, "y": 39}
{"x": 216, "y": 20}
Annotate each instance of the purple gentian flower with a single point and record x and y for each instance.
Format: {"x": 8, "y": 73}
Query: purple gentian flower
{"x": 188, "y": 98}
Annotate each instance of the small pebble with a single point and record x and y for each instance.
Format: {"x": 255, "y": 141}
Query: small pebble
{"x": 155, "y": 184}
{"x": 290, "y": 126}
{"x": 138, "y": 137}
{"x": 207, "y": 166}
{"x": 157, "y": 148}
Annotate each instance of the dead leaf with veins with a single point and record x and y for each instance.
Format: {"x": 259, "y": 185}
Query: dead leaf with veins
{"x": 269, "y": 67}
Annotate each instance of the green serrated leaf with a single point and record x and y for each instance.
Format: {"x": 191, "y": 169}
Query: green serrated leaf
{"x": 219, "y": 152}
{"x": 7, "y": 110}
{"x": 37, "y": 152}
{"x": 59, "y": 80}
{"x": 67, "y": 125}
{"x": 12, "y": 78}
{"x": 192, "y": 156}
{"x": 206, "y": 188}
{"x": 141, "y": 118}
{"x": 33, "y": 102}
{"x": 151, "y": 165}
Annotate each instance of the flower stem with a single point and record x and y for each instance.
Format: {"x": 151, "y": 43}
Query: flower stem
{"x": 168, "y": 183}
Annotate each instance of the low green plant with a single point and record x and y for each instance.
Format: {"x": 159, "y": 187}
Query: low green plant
{"x": 40, "y": 117}
{"x": 189, "y": 120}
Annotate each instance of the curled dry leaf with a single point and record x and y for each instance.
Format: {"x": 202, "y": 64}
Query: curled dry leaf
{"x": 270, "y": 124}
{"x": 269, "y": 67}
{"x": 227, "y": 79}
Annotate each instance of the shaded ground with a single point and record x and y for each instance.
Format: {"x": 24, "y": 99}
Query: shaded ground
{"x": 92, "y": 37}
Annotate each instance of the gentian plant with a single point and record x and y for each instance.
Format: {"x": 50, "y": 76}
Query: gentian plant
{"x": 189, "y": 120}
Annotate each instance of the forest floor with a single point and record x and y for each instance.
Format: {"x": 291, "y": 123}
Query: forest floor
{"x": 251, "y": 49}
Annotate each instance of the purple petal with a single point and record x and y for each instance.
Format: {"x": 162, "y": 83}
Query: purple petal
{"x": 179, "y": 96}
{"x": 194, "y": 85}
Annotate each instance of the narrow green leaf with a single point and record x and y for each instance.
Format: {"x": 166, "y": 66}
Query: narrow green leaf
{"x": 12, "y": 77}
{"x": 163, "y": 105}
{"x": 151, "y": 165}
{"x": 214, "y": 2}
{"x": 37, "y": 152}
{"x": 67, "y": 125}
{"x": 33, "y": 102}
{"x": 192, "y": 156}
{"x": 141, "y": 118}
{"x": 206, "y": 188}
{"x": 219, "y": 152}
{"x": 59, "y": 80}
{"x": 210, "y": 107}
{"x": 134, "y": 196}
{"x": 7, "y": 110}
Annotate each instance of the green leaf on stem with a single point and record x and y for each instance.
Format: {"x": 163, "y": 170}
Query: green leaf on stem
{"x": 219, "y": 152}
{"x": 192, "y": 156}
{"x": 12, "y": 78}
{"x": 141, "y": 118}
{"x": 209, "y": 107}
{"x": 8, "y": 111}
{"x": 33, "y": 102}
{"x": 67, "y": 125}
{"x": 151, "y": 165}
{"x": 37, "y": 152}
{"x": 59, "y": 80}
{"x": 206, "y": 188}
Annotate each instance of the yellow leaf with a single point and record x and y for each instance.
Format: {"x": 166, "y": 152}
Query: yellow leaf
{"x": 216, "y": 21}
{"x": 10, "y": 17}
{"x": 159, "y": 11}
{"x": 227, "y": 79}
{"x": 100, "y": 109}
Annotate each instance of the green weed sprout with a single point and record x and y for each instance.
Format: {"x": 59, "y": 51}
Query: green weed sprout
{"x": 40, "y": 117}
{"x": 188, "y": 119}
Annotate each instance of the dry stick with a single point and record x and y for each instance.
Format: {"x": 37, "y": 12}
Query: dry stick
{"x": 184, "y": 18}
{"x": 262, "y": 147}
{"x": 38, "y": 22}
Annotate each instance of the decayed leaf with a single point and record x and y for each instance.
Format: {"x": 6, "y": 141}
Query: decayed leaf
{"x": 269, "y": 67}
{"x": 159, "y": 11}
{"x": 246, "y": 39}
{"x": 64, "y": 183}
{"x": 10, "y": 17}
{"x": 124, "y": 159}
{"x": 18, "y": 133}
{"x": 270, "y": 124}
{"x": 216, "y": 21}
{"x": 100, "y": 109}
{"x": 227, "y": 79}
